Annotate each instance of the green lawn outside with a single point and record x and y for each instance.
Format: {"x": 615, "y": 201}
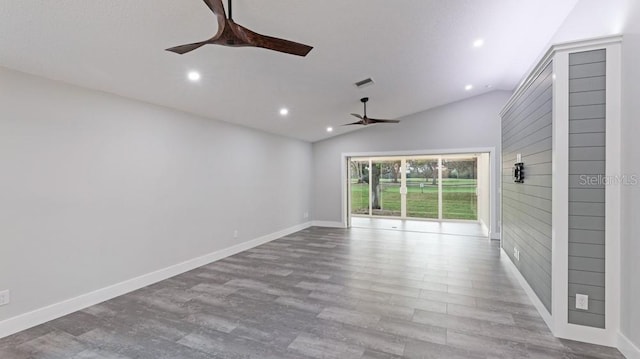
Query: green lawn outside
{"x": 458, "y": 199}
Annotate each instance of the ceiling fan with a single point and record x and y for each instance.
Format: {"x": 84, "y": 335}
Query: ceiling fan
{"x": 232, "y": 34}
{"x": 364, "y": 120}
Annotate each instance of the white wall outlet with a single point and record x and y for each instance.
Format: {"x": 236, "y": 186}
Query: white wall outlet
{"x": 235, "y": 233}
{"x": 516, "y": 253}
{"x": 582, "y": 301}
{"x": 5, "y": 297}
{"x": 305, "y": 214}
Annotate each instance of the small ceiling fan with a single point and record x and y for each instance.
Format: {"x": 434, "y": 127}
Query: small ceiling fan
{"x": 364, "y": 120}
{"x": 232, "y": 34}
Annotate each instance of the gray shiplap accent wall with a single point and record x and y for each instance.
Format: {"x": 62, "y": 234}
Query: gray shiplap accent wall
{"x": 526, "y": 215}
{"x": 587, "y": 78}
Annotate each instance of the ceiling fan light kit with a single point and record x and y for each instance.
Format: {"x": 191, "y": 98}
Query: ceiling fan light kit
{"x": 232, "y": 34}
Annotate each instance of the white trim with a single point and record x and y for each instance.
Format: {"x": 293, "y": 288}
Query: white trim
{"x": 528, "y": 81}
{"x": 544, "y": 313}
{"x": 560, "y": 195}
{"x": 57, "y": 310}
{"x": 440, "y": 188}
{"x": 497, "y": 236}
{"x": 560, "y": 251}
{"x": 495, "y": 191}
{"x": 586, "y": 334}
{"x": 448, "y": 151}
{"x": 403, "y": 188}
{"x": 548, "y": 56}
{"x": 485, "y": 229}
{"x": 344, "y": 183}
{"x": 627, "y": 348}
{"x": 494, "y": 180}
{"x": 613, "y": 198}
{"x": 328, "y": 224}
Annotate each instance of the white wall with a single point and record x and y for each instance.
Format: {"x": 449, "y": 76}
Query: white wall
{"x": 484, "y": 198}
{"x": 631, "y": 167}
{"x": 96, "y": 189}
{"x": 593, "y": 18}
{"x": 471, "y": 123}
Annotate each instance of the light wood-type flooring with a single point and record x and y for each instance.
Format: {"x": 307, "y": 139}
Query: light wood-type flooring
{"x": 319, "y": 293}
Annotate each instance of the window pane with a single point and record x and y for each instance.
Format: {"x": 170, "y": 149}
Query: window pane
{"x": 422, "y": 188}
{"x": 359, "y": 187}
{"x": 459, "y": 182}
{"x": 385, "y": 184}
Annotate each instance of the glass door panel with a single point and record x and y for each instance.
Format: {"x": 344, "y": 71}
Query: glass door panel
{"x": 422, "y": 188}
{"x": 359, "y": 186}
{"x": 385, "y": 188}
{"x": 440, "y": 187}
{"x": 459, "y": 183}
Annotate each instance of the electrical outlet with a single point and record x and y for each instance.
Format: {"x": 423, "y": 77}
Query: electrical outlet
{"x": 5, "y": 297}
{"x": 516, "y": 254}
{"x": 235, "y": 233}
{"x": 582, "y": 301}
{"x": 305, "y": 214}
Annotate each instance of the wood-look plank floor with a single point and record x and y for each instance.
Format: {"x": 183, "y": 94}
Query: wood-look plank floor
{"x": 319, "y": 293}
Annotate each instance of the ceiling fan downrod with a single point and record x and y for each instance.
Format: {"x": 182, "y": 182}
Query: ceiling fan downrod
{"x": 230, "y": 11}
{"x": 364, "y": 101}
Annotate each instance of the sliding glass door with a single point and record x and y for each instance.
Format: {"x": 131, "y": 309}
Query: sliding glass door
{"x": 443, "y": 187}
{"x": 359, "y": 186}
{"x": 385, "y": 188}
{"x": 422, "y": 188}
{"x": 459, "y": 188}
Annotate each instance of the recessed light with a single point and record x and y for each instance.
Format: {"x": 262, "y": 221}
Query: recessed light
{"x": 329, "y": 129}
{"x": 284, "y": 111}
{"x": 193, "y": 76}
{"x": 468, "y": 87}
{"x": 478, "y": 43}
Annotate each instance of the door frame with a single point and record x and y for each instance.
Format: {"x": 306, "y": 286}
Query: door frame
{"x": 494, "y": 190}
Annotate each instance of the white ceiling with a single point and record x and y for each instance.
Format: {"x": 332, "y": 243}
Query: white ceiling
{"x": 419, "y": 52}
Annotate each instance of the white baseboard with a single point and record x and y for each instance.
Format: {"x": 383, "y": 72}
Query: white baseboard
{"x": 328, "y": 224}
{"x": 566, "y": 331}
{"x": 485, "y": 229}
{"x": 544, "y": 313}
{"x": 494, "y": 235}
{"x": 57, "y": 310}
{"x": 581, "y": 333}
{"x": 627, "y": 348}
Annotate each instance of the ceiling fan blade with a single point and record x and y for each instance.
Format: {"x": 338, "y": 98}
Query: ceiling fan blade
{"x": 217, "y": 7}
{"x": 373, "y": 120}
{"x": 271, "y": 43}
{"x": 355, "y": 123}
{"x": 356, "y": 115}
{"x": 183, "y": 49}
{"x": 286, "y": 46}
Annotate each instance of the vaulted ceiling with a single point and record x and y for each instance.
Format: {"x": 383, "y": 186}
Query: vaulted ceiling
{"x": 420, "y": 54}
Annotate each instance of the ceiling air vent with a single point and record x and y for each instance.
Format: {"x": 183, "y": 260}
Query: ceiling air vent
{"x": 364, "y": 83}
